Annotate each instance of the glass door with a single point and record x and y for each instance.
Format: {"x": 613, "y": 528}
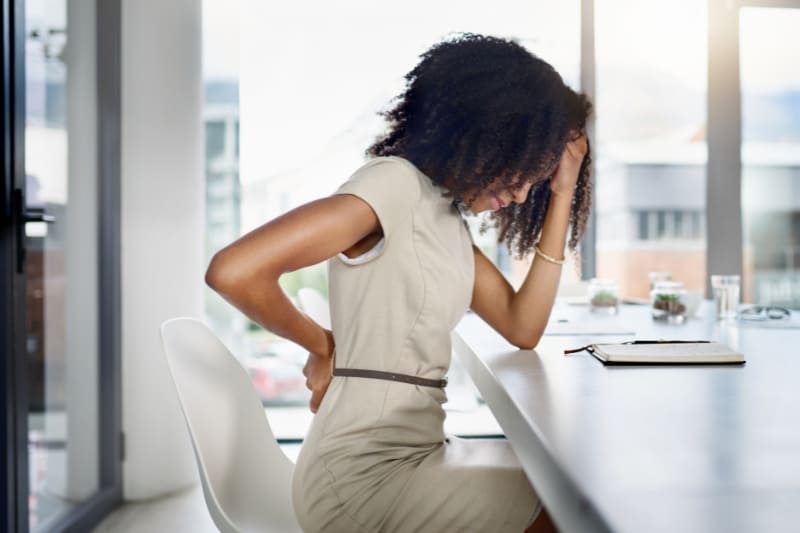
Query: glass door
{"x": 59, "y": 265}
{"x": 61, "y": 296}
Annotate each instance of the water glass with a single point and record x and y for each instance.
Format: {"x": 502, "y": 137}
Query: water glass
{"x": 726, "y": 295}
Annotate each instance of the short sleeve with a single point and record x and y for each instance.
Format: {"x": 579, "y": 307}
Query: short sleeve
{"x": 390, "y": 186}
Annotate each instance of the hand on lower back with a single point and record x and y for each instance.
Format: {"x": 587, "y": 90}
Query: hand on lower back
{"x": 318, "y": 372}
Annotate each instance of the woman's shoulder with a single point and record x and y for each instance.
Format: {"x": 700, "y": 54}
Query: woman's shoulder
{"x": 399, "y": 161}
{"x": 390, "y": 186}
{"x": 393, "y": 164}
{"x": 389, "y": 175}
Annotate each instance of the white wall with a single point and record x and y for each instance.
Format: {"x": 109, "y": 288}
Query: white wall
{"x": 162, "y": 230}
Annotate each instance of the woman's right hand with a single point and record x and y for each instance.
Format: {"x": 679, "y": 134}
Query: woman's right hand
{"x": 318, "y": 371}
{"x": 567, "y": 173}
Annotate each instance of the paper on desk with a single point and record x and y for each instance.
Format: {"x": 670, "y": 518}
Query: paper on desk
{"x": 585, "y": 327}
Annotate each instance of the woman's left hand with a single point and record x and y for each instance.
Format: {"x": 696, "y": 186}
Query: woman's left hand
{"x": 565, "y": 177}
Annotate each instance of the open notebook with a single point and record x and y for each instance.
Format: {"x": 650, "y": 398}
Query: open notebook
{"x": 665, "y": 353}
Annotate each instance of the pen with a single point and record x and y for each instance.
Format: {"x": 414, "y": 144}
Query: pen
{"x": 662, "y": 341}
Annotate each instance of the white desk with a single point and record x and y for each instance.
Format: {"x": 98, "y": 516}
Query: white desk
{"x": 639, "y": 449}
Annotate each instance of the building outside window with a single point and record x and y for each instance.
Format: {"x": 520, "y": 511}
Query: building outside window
{"x": 669, "y": 224}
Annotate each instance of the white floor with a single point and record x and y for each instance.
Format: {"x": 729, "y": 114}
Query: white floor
{"x": 183, "y": 512}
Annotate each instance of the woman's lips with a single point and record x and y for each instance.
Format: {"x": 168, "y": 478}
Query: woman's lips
{"x": 497, "y": 203}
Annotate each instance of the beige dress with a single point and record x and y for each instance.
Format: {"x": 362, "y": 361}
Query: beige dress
{"x": 376, "y": 457}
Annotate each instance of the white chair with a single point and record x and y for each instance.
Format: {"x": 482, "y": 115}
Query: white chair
{"x": 245, "y": 475}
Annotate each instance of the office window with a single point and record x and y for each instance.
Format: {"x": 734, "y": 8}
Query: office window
{"x": 650, "y": 141}
{"x": 310, "y": 98}
{"x": 221, "y": 130}
{"x": 308, "y": 87}
{"x": 770, "y": 85}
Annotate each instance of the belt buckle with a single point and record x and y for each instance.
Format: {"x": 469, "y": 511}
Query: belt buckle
{"x": 444, "y": 381}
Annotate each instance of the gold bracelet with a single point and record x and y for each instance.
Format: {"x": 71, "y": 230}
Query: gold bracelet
{"x": 547, "y": 257}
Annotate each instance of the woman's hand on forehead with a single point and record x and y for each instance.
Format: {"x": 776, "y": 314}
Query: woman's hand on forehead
{"x": 569, "y": 166}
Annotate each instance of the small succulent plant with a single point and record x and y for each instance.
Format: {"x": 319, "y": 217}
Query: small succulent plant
{"x": 604, "y": 299}
{"x": 669, "y": 303}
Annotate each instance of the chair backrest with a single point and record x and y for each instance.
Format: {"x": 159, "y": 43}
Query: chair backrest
{"x": 246, "y": 477}
{"x": 315, "y": 305}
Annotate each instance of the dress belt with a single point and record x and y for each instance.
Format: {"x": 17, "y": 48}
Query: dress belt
{"x": 390, "y": 376}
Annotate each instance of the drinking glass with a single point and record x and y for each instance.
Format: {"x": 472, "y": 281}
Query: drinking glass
{"x": 726, "y": 294}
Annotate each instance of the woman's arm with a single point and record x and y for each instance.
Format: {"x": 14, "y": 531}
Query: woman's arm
{"x": 522, "y": 316}
{"x": 246, "y": 272}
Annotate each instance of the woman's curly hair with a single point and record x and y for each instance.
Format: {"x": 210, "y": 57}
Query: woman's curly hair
{"x": 480, "y": 112}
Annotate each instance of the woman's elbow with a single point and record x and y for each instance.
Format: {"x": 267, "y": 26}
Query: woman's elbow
{"x": 526, "y": 345}
{"x": 219, "y": 274}
{"x": 527, "y": 341}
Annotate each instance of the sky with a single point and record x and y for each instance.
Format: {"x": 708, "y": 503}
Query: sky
{"x": 221, "y": 39}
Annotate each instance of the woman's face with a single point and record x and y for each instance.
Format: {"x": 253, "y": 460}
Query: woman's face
{"x": 497, "y": 196}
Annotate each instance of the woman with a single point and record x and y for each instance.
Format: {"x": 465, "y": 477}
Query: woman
{"x": 482, "y": 125}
